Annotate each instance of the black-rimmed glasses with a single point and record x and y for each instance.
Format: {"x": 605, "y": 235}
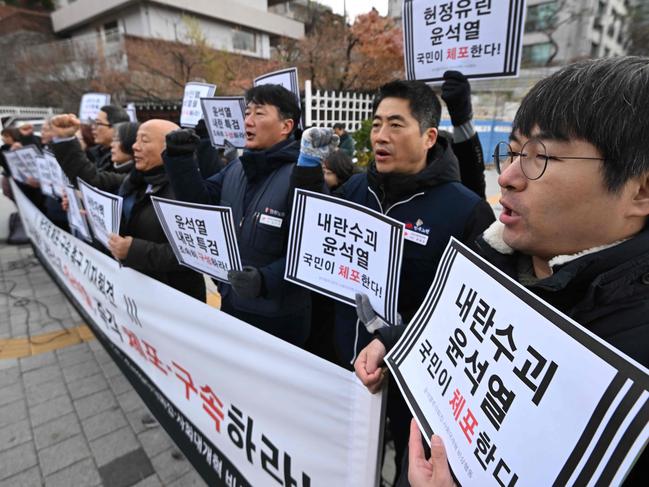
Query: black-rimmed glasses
{"x": 533, "y": 158}
{"x": 97, "y": 123}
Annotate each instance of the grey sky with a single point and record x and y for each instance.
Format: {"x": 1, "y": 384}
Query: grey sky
{"x": 356, "y": 7}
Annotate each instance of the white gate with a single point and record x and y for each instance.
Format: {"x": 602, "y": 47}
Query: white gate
{"x": 324, "y": 109}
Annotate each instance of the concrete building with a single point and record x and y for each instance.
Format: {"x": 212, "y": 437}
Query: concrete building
{"x": 236, "y": 26}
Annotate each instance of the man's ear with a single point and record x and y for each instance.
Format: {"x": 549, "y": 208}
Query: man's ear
{"x": 431, "y": 137}
{"x": 640, "y": 203}
{"x": 287, "y": 126}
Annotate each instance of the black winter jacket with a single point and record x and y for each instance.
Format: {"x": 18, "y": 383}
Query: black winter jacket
{"x": 258, "y": 190}
{"x": 434, "y": 206}
{"x": 150, "y": 252}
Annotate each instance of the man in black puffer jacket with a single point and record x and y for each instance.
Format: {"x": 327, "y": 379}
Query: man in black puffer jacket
{"x": 574, "y": 229}
{"x": 257, "y": 188}
{"x": 143, "y": 244}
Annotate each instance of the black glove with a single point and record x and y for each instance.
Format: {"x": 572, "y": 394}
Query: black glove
{"x": 246, "y": 282}
{"x": 181, "y": 142}
{"x": 456, "y": 93}
{"x": 201, "y": 129}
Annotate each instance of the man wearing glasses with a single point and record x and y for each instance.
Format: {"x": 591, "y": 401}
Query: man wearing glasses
{"x": 68, "y": 151}
{"x": 574, "y": 178}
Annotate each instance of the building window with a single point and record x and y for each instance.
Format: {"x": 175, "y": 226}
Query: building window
{"x": 537, "y": 54}
{"x": 111, "y": 31}
{"x": 244, "y": 40}
{"x": 540, "y": 17}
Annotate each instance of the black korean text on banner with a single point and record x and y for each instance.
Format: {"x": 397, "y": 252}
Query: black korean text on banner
{"x": 28, "y": 156}
{"x": 90, "y": 105}
{"x": 225, "y": 120}
{"x": 75, "y": 218}
{"x": 59, "y": 179}
{"x": 339, "y": 248}
{"x": 497, "y": 372}
{"x": 480, "y": 38}
{"x": 202, "y": 237}
{"x": 103, "y": 210}
{"x": 188, "y": 361}
{"x": 286, "y": 78}
{"x": 191, "y": 111}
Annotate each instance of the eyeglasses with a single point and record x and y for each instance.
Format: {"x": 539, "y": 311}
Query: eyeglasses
{"x": 96, "y": 123}
{"x": 533, "y": 158}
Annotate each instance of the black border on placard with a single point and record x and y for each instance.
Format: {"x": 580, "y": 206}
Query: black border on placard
{"x": 85, "y": 232}
{"x": 512, "y": 46}
{"x": 242, "y": 105}
{"x": 193, "y": 83}
{"x": 114, "y": 201}
{"x": 625, "y": 370}
{"x": 295, "y": 239}
{"x": 147, "y": 390}
{"x": 232, "y": 247}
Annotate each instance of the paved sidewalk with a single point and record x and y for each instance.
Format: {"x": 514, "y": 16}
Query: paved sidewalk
{"x": 68, "y": 417}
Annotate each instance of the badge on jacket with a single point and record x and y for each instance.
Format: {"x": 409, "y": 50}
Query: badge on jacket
{"x": 416, "y": 232}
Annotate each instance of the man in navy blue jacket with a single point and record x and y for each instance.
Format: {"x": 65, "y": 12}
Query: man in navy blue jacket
{"x": 257, "y": 188}
{"x": 415, "y": 179}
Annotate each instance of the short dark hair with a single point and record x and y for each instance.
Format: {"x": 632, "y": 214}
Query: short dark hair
{"x": 12, "y": 132}
{"x": 340, "y": 164}
{"x": 339, "y": 125}
{"x": 126, "y": 133}
{"x": 604, "y": 102}
{"x": 279, "y": 97}
{"x": 115, "y": 114}
{"x": 424, "y": 105}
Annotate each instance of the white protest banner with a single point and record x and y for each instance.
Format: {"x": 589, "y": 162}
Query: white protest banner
{"x": 104, "y": 211}
{"x": 244, "y": 407}
{"x": 132, "y": 112}
{"x": 15, "y": 166}
{"x": 59, "y": 179}
{"x": 224, "y": 119}
{"x": 75, "y": 218}
{"x": 339, "y": 248}
{"x": 45, "y": 176}
{"x": 202, "y": 237}
{"x": 286, "y": 78}
{"x": 28, "y": 156}
{"x": 191, "y": 111}
{"x": 90, "y": 105}
{"x": 519, "y": 392}
{"x": 480, "y": 38}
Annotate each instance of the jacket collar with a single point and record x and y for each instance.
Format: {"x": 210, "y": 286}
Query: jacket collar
{"x": 258, "y": 164}
{"x": 441, "y": 167}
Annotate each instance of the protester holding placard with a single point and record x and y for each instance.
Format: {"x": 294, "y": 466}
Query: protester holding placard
{"x": 415, "y": 179}
{"x": 575, "y": 197}
{"x": 257, "y": 188}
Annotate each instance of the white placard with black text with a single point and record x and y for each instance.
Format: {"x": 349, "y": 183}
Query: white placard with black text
{"x": 339, "y": 248}
{"x": 480, "y": 38}
{"x": 520, "y": 393}
{"x": 45, "y": 176}
{"x": 191, "y": 111}
{"x": 202, "y": 236}
{"x": 103, "y": 211}
{"x": 90, "y": 105}
{"x": 75, "y": 218}
{"x": 286, "y": 78}
{"x": 225, "y": 120}
{"x": 28, "y": 156}
{"x": 59, "y": 179}
{"x": 15, "y": 166}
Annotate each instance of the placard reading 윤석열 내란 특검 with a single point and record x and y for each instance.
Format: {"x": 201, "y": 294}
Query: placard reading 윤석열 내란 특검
{"x": 480, "y": 38}
{"x": 202, "y": 236}
{"x": 91, "y": 104}
{"x": 191, "y": 111}
{"x": 225, "y": 120}
{"x": 520, "y": 394}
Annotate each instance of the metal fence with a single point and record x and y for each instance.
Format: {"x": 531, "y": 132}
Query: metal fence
{"x": 325, "y": 108}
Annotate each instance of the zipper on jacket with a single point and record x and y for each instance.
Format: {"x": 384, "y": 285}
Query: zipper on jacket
{"x": 396, "y": 204}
